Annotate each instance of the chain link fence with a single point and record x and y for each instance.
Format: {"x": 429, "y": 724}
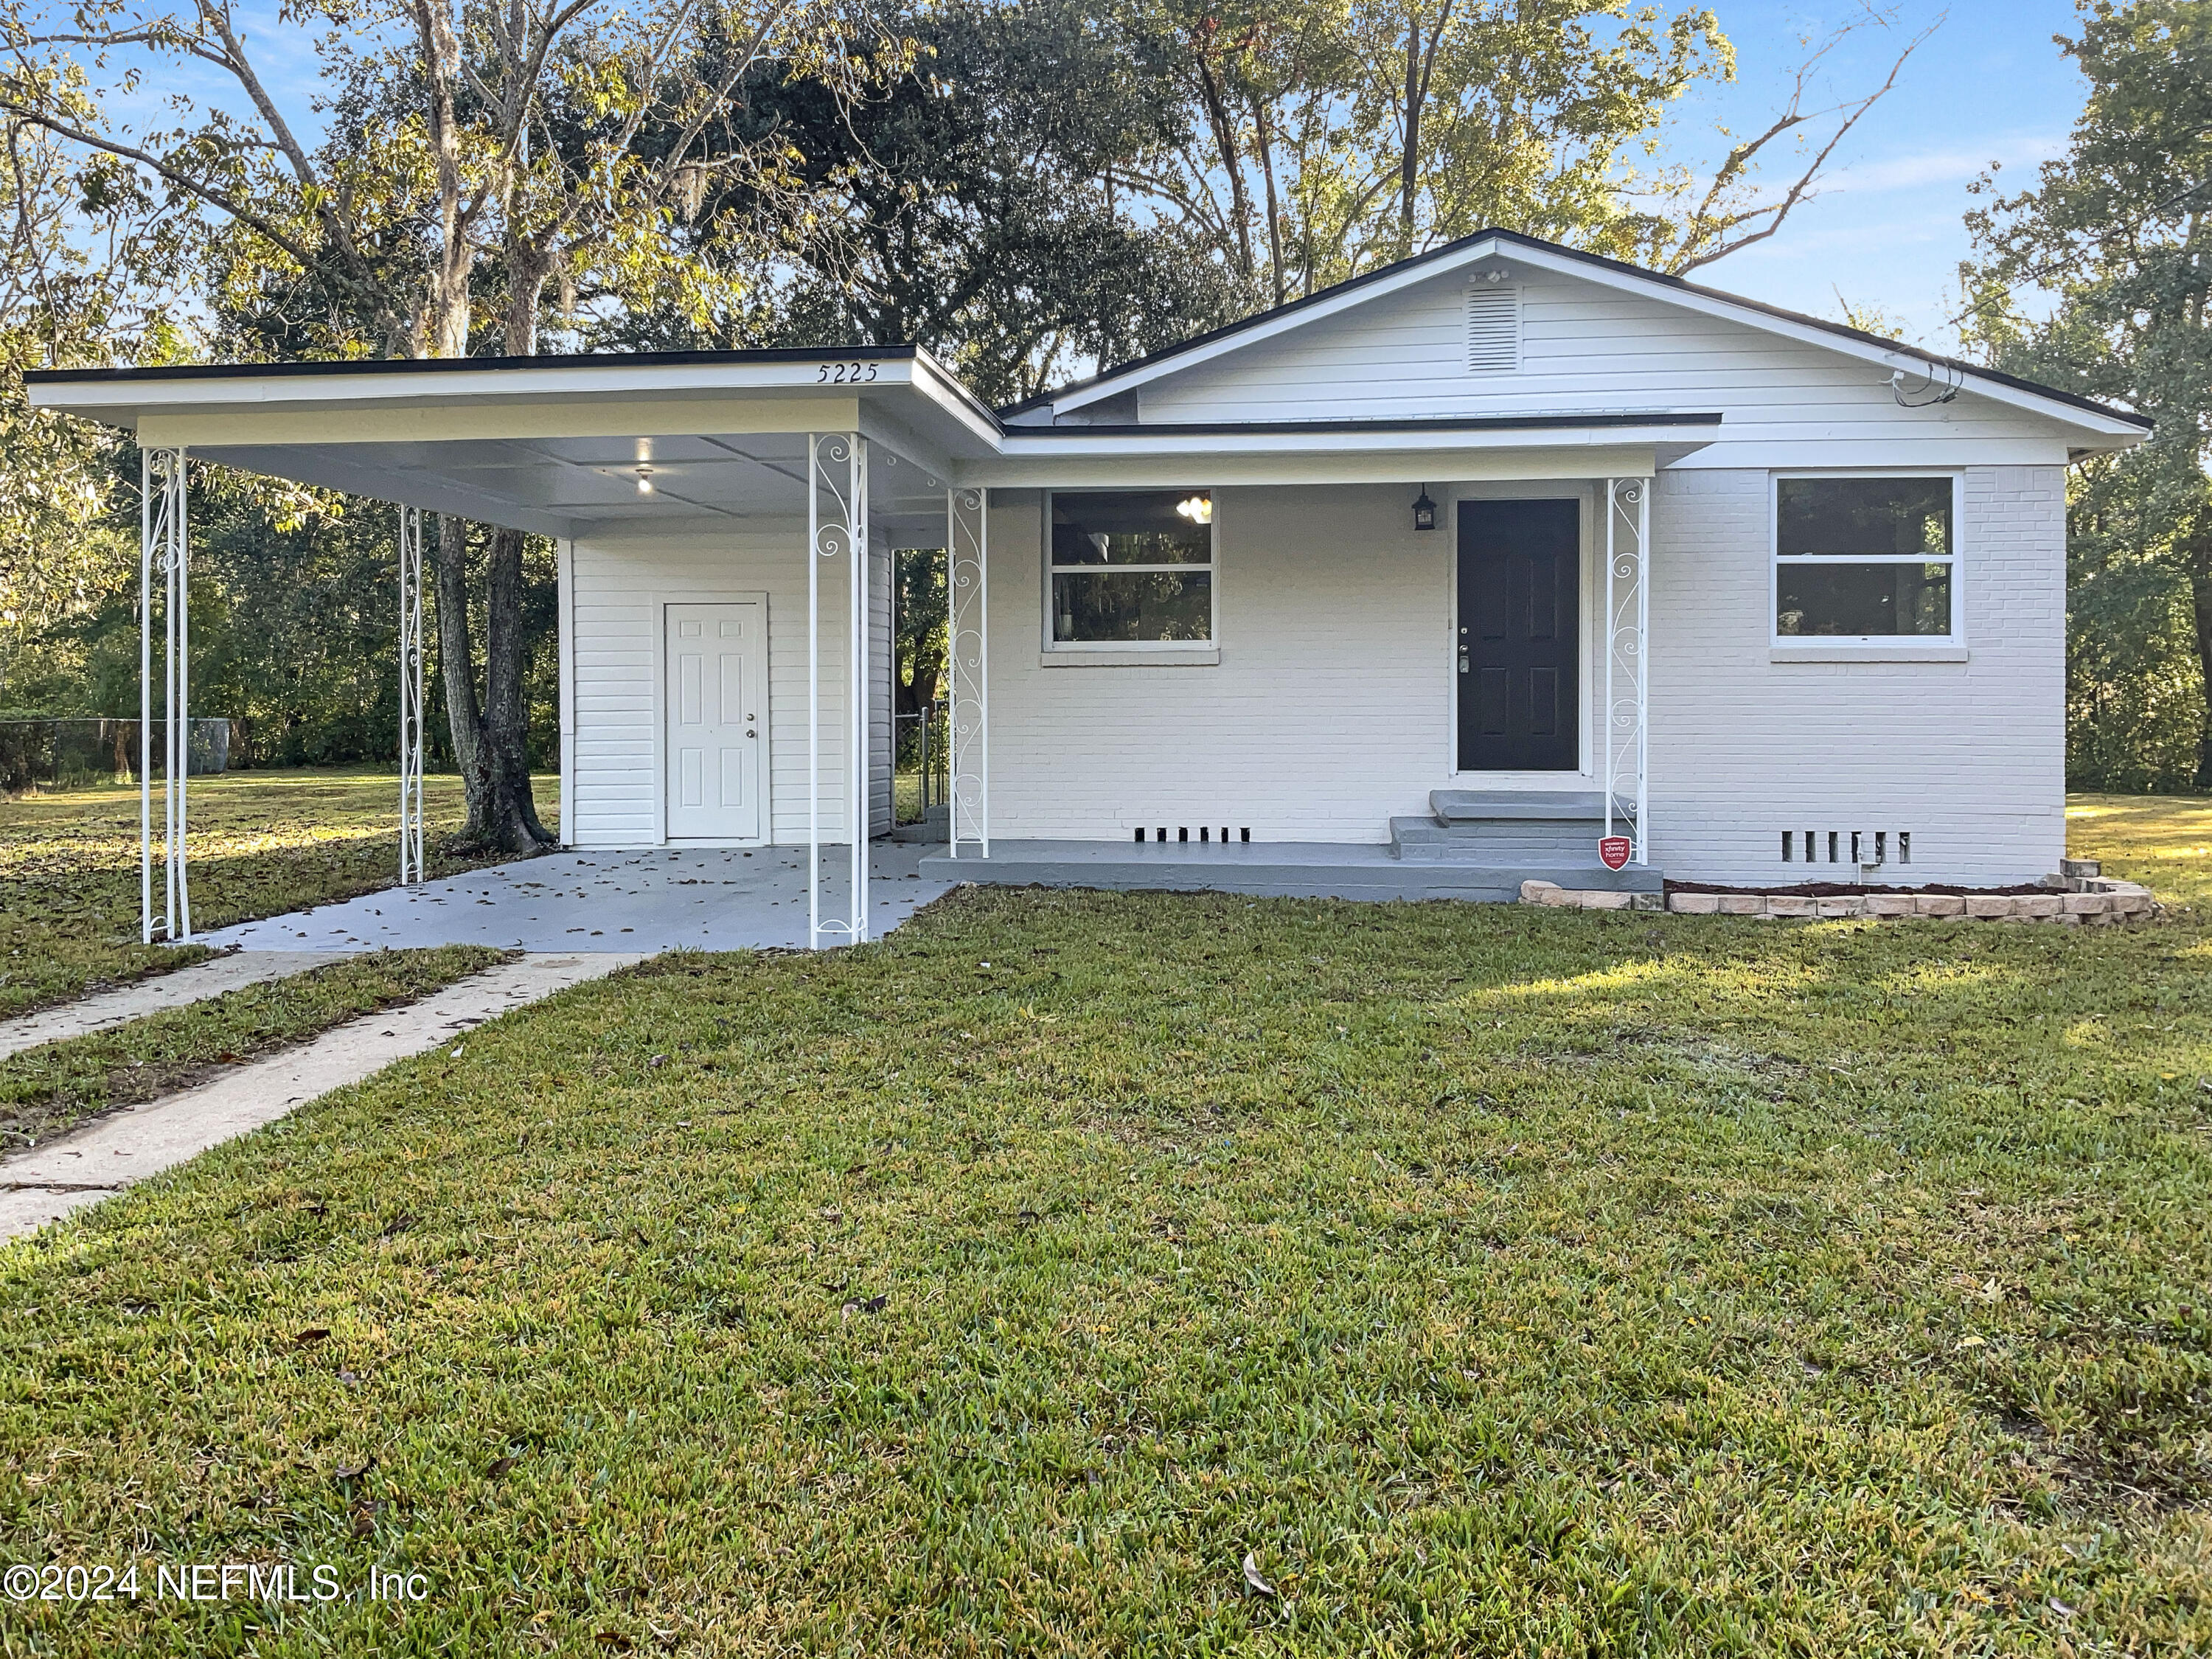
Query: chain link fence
{"x": 80, "y": 754}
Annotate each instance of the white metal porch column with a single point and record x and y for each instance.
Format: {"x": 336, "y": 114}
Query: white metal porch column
{"x": 162, "y": 544}
{"x": 1627, "y": 661}
{"x": 411, "y": 742}
{"x": 967, "y": 608}
{"x": 837, "y": 529}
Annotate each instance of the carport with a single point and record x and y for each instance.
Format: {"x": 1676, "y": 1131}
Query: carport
{"x": 845, "y": 455}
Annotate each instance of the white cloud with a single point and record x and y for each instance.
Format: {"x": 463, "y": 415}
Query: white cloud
{"x": 1943, "y": 166}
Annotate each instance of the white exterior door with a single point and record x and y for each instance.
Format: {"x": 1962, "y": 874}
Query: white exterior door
{"x": 717, "y": 700}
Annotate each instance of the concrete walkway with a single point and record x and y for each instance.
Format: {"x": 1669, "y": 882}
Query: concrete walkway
{"x": 50, "y": 1181}
{"x": 665, "y": 899}
{"x": 106, "y": 1010}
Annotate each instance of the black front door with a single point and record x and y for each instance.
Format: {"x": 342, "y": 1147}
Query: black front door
{"x": 1520, "y": 589}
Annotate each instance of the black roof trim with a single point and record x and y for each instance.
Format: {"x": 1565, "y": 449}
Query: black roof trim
{"x": 1441, "y": 423}
{"x": 337, "y": 367}
{"x": 1679, "y": 283}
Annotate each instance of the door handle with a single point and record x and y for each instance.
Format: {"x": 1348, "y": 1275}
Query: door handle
{"x": 1462, "y": 661}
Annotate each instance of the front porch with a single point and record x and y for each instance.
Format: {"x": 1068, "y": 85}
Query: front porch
{"x": 1311, "y": 869}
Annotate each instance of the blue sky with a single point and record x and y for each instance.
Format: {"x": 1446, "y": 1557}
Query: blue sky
{"x": 1988, "y": 86}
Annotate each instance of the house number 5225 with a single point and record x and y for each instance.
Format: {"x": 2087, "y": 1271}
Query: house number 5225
{"x": 844, "y": 373}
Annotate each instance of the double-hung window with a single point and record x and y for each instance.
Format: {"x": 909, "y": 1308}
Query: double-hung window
{"x": 1865, "y": 559}
{"x": 1130, "y": 567}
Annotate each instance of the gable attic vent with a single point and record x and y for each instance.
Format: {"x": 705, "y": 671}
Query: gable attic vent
{"x": 1494, "y": 328}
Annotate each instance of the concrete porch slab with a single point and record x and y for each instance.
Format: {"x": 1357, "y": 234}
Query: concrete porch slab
{"x": 659, "y": 899}
{"x": 1275, "y": 869}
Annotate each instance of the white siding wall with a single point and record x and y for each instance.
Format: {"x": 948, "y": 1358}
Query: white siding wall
{"x": 1330, "y": 708}
{"x": 1589, "y": 348}
{"x": 617, "y": 587}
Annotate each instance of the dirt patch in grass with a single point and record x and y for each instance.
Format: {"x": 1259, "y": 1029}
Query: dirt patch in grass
{"x": 56, "y": 1086}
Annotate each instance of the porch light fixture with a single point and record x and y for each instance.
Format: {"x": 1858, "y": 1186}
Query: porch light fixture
{"x": 645, "y": 481}
{"x": 1424, "y": 511}
{"x": 1199, "y": 509}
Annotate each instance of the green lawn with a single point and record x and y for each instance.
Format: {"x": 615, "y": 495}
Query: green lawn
{"x": 1505, "y": 1280}
{"x": 46, "y": 1090}
{"x": 2163, "y": 841}
{"x": 262, "y": 843}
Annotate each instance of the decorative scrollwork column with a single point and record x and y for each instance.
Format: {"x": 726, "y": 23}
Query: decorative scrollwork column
{"x": 1627, "y": 661}
{"x": 968, "y": 544}
{"x": 162, "y": 532}
{"x": 837, "y": 529}
{"x": 412, "y": 871}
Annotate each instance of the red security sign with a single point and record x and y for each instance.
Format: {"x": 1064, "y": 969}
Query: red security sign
{"x": 1615, "y": 850}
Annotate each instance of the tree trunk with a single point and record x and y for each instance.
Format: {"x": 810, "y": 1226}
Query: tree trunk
{"x": 2200, "y": 594}
{"x": 500, "y": 818}
{"x": 506, "y": 704}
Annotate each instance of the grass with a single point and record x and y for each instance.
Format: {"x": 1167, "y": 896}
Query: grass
{"x": 262, "y": 843}
{"x": 2164, "y": 842}
{"x": 46, "y": 1090}
{"x": 1503, "y": 1280}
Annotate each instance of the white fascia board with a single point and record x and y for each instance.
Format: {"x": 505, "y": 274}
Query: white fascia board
{"x": 1613, "y": 454}
{"x": 124, "y": 399}
{"x": 1114, "y": 385}
{"x": 1055, "y": 443}
{"x": 978, "y": 426}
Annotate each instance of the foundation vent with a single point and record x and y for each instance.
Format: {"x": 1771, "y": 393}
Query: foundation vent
{"x": 1867, "y": 848}
{"x": 1494, "y": 328}
{"x": 1206, "y": 832}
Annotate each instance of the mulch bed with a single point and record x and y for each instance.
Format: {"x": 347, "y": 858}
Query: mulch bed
{"x": 1852, "y": 890}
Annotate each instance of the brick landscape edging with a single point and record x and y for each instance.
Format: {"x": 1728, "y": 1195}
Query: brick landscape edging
{"x": 2072, "y": 900}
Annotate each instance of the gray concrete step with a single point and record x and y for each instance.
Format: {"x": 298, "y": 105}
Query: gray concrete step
{"x": 1506, "y": 841}
{"x": 1492, "y": 806}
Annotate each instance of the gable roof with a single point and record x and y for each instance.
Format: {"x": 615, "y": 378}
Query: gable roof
{"x": 2067, "y": 406}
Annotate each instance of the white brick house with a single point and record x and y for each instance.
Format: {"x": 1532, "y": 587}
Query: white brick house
{"x": 1414, "y": 587}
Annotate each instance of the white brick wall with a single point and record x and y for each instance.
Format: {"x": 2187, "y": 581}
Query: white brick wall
{"x": 1967, "y": 756}
{"x": 1329, "y": 710}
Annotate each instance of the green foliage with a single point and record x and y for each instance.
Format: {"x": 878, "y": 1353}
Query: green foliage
{"x": 970, "y": 206}
{"x": 2135, "y": 693}
{"x": 2118, "y": 229}
{"x": 295, "y": 608}
{"x": 918, "y": 600}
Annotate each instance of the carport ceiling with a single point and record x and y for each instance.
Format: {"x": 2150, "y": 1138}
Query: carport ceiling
{"x": 568, "y": 486}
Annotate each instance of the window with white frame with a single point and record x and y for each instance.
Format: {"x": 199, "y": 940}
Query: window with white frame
{"x": 1865, "y": 558}
{"x": 1130, "y": 566}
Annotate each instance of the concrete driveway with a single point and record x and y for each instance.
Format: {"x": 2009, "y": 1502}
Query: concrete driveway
{"x": 667, "y": 899}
